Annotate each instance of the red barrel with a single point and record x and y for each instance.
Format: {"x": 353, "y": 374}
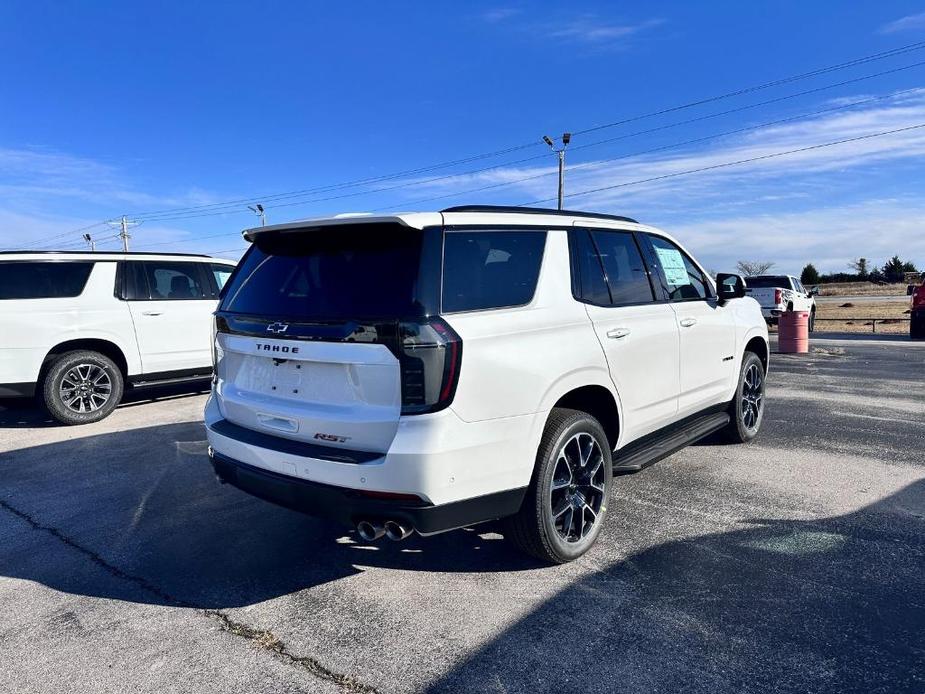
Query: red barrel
{"x": 793, "y": 332}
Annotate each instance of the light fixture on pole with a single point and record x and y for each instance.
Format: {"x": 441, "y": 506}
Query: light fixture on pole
{"x": 90, "y": 242}
{"x": 560, "y": 152}
{"x": 257, "y": 209}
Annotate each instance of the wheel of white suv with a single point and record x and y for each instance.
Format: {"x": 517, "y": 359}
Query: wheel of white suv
{"x": 812, "y": 320}
{"x": 82, "y": 387}
{"x": 566, "y": 504}
{"x": 747, "y": 407}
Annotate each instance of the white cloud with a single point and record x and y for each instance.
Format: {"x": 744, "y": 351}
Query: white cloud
{"x": 723, "y": 210}
{"x": 45, "y": 193}
{"x": 909, "y": 110}
{"x": 828, "y": 237}
{"x": 911, "y": 22}
{"x": 28, "y": 174}
{"x": 500, "y": 14}
{"x": 590, "y": 29}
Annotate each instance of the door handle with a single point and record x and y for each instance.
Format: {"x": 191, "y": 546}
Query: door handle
{"x": 151, "y": 313}
{"x": 617, "y": 333}
{"x": 688, "y": 322}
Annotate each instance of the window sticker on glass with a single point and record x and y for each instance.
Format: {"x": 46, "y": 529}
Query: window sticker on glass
{"x": 673, "y": 266}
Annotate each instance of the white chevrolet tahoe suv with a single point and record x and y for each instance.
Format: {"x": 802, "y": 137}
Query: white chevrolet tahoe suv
{"x": 428, "y": 371}
{"x": 79, "y": 328}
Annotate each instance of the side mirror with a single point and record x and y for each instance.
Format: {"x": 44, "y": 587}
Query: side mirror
{"x": 729, "y": 286}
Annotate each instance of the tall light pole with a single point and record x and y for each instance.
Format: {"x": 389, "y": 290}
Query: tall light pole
{"x": 259, "y": 211}
{"x": 90, "y": 242}
{"x": 566, "y": 138}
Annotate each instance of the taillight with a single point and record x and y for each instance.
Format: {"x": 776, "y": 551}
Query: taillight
{"x": 430, "y": 358}
{"x": 778, "y": 296}
{"x": 217, "y": 351}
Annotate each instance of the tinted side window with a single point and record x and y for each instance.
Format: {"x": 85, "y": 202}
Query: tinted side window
{"x": 626, "y": 273}
{"x": 43, "y": 280}
{"x": 135, "y": 283}
{"x": 588, "y": 281}
{"x": 175, "y": 281}
{"x": 679, "y": 278}
{"x": 490, "y": 269}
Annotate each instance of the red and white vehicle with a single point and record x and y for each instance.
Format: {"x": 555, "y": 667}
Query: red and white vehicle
{"x": 780, "y": 293}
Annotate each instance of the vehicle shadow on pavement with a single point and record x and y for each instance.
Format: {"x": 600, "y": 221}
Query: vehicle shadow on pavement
{"x": 20, "y": 413}
{"x": 833, "y": 605}
{"x": 146, "y": 505}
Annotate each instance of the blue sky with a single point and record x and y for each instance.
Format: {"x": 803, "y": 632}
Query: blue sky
{"x": 110, "y": 109}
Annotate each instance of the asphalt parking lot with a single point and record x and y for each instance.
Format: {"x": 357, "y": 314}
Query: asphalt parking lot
{"x": 794, "y": 564}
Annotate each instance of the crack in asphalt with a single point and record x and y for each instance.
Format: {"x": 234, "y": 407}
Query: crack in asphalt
{"x": 264, "y": 639}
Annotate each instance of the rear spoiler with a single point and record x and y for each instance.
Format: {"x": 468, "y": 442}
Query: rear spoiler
{"x": 416, "y": 220}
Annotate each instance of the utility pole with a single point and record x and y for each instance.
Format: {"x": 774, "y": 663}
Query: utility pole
{"x": 124, "y": 224}
{"x": 90, "y": 242}
{"x": 258, "y": 210}
{"x": 560, "y": 152}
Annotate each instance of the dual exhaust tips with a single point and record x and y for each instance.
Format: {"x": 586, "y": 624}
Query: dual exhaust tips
{"x": 371, "y": 531}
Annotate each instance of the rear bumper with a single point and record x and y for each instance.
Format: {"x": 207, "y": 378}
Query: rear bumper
{"x": 349, "y": 506}
{"x": 462, "y": 472}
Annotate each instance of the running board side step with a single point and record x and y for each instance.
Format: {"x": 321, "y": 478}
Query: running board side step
{"x": 650, "y": 449}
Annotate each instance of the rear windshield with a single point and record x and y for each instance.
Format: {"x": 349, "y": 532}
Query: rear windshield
{"x": 367, "y": 271}
{"x": 43, "y": 280}
{"x": 768, "y": 282}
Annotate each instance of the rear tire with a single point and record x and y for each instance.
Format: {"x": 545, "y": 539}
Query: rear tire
{"x": 565, "y": 506}
{"x": 81, "y": 387}
{"x": 747, "y": 407}
{"x": 812, "y": 320}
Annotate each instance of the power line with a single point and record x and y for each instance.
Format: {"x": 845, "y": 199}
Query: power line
{"x": 198, "y": 238}
{"x": 43, "y": 240}
{"x": 637, "y": 133}
{"x": 346, "y": 184}
{"x": 174, "y": 213}
{"x": 767, "y": 85}
{"x": 653, "y": 150}
{"x": 730, "y": 163}
{"x": 597, "y": 162}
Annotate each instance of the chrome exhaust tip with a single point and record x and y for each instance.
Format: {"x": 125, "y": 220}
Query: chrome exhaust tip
{"x": 369, "y": 531}
{"x": 396, "y": 531}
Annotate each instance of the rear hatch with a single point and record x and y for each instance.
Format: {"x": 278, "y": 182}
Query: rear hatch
{"x": 766, "y": 290}
{"x": 328, "y": 335}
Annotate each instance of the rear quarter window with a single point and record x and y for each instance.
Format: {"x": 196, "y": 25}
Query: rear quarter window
{"x": 490, "y": 269}
{"x": 43, "y": 280}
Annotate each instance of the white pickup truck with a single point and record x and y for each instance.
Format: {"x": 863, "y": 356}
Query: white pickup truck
{"x": 780, "y": 293}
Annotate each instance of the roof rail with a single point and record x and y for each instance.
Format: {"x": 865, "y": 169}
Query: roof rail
{"x": 535, "y": 210}
{"x": 91, "y": 253}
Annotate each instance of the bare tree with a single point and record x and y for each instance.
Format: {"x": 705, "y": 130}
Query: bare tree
{"x": 752, "y": 268}
{"x": 860, "y": 267}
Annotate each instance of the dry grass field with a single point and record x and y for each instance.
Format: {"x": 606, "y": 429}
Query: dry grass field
{"x": 860, "y": 289}
{"x": 857, "y": 317}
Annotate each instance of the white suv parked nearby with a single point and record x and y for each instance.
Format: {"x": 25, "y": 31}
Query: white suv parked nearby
{"x": 428, "y": 371}
{"x": 78, "y": 327}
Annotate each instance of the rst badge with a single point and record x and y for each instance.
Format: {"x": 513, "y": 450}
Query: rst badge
{"x": 332, "y": 438}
